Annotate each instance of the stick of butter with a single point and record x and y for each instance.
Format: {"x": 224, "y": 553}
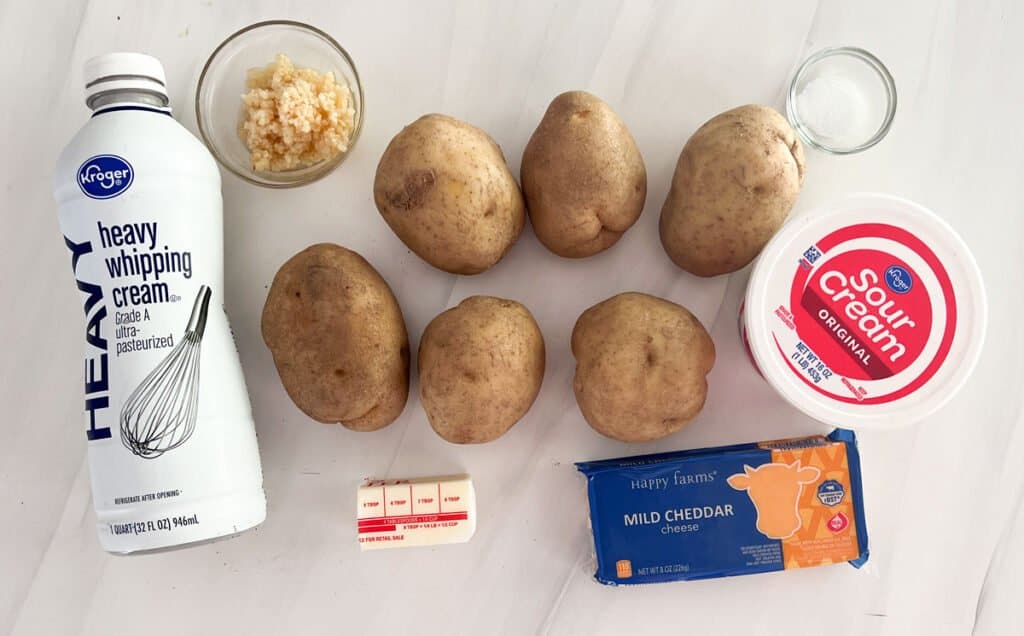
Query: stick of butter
{"x": 399, "y": 513}
{"x": 739, "y": 509}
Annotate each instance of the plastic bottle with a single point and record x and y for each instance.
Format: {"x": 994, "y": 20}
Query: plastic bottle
{"x": 171, "y": 444}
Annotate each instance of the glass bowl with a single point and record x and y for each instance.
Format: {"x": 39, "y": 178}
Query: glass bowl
{"x": 222, "y": 83}
{"x": 842, "y": 100}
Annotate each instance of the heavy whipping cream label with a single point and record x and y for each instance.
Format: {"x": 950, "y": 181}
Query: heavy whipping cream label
{"x": 869, "y": 316}
{"x": 172, "y": 450}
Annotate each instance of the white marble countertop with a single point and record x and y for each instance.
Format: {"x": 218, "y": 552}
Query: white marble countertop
{"x": 943, "y": 498}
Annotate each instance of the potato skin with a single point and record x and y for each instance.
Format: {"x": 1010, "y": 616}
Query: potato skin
{"x": 641, "y": 363}
{"x": 338, "y": 338}
{"x": 444, "y": 188}
{"x": 735, "y": 183}
{"x": 481, "y": 366}
{"x": 583, "y": 177}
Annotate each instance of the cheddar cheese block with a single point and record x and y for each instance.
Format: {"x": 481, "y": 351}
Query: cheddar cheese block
{"x": 725, "y": 511}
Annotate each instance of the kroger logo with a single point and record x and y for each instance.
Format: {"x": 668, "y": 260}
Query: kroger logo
{"x": 105, "y": 176}
{"x": 898, "y": 279}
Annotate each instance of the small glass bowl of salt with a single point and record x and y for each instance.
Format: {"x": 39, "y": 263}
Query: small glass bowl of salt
{"x": 842, "y": 100}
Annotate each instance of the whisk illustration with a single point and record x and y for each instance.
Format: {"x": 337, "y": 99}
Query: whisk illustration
{"x": 160, "y": 414}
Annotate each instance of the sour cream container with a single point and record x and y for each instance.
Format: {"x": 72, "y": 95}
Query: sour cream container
{"x": 869, "y": 313}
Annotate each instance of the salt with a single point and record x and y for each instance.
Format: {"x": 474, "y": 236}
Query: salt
{"x": 835, "y": 109}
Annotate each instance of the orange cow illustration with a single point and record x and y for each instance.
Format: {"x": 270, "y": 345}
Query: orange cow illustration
{"x": 775, "y": 489}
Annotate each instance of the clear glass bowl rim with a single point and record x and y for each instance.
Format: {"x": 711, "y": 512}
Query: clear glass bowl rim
{"x": 870, "y": 60}
{"x": 320, "y": 171}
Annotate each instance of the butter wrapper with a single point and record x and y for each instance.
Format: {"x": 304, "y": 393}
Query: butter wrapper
{"x": 401, "y": 513}
{"x": 726, "y": 511}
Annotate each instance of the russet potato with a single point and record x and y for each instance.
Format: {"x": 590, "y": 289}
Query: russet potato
{"x": 583, "y": 177}
{"x": 444, "y": 188}
{"x": 735, "y": 183}
{"x": 481, "y": 365}
{"x": 338, "y": 338}
{"x": 641, "y": 366}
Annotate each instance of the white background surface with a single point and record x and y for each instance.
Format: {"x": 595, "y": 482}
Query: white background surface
{"x": 943, "y": 497}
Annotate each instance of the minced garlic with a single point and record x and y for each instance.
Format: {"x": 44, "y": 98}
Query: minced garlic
{"x": 294, "y": 117}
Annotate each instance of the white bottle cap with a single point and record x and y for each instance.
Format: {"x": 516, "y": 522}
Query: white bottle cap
{"x": 124, "y": 72}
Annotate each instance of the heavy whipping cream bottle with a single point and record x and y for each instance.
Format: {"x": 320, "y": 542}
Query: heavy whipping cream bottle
{"x": 171, "y": 444}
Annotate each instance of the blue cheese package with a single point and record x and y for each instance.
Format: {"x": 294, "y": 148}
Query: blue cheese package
{"x": 725, "y": 511}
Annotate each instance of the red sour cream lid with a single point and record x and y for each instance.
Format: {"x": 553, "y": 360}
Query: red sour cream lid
{"x": 869, "y": 313}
